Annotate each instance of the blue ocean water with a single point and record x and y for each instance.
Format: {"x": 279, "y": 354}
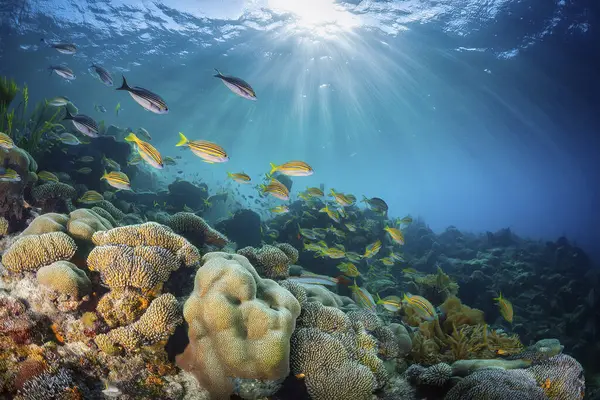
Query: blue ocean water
{"x": 478, "y": 114}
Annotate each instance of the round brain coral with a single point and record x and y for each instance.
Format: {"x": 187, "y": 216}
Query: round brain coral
{"x": 46, "y": 223}
{"x": 84, "y": 223}
{"x": 109, "y": 207}
{"x": 49, "y": 194}
{"x": 290, "y": 251}
{"x": 270, "y": 261}
{"x": 29, "y": 253}
{"x": 239, "y": 324}
{"x": 200, "y": 232}
{"x": 64, "y": 277}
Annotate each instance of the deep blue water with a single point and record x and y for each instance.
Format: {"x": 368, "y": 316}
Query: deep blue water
{"x": 478, "y": 114}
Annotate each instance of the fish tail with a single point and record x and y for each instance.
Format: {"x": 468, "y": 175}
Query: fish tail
{"x": 182, "y": 140}
{"x": 68, "y": 115}
{"x": 273, "y": 169}
{"x": 131, "y": 137}
{"x": 104, "y": 174}
{"x": 124, "y": 86}
{"x": 219, "y": 74}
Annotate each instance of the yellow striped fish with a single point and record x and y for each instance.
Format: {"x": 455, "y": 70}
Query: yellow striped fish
{"x": 506, "y": 308}
{"x": 349, "y": 269}
{"x": 47, "y": 176}
{"x": 84, "y": 170}
{"x": 209, "y": 152}
{"x": 292, "y": 168}
{"x": 280, "y": 209}
{"x": 146, "y": 151}
{"x": 421, "y": 306}
{"x": 239, "y": 177}
{"x": 6, "y": 142}
{"x": 331, "y": 213}
{"x": 372, "y": 249}
{"x": 362, "y": 297}
{"x": 110, "y": 163}
{"x": 277, "y": 190}
{"x": 90, "y": 197}
{"x": 9, "y": 175}
{"x": 315, "y": 192}
{"x": 390, "y": 303}
{"x": 341, "y": 198}
{"x": 395, "y": 234}
{"x": 117, "y": 179}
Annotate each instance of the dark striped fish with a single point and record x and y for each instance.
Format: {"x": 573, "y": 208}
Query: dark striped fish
{"x": 62, "y": 71}
{"x": 83, "y": 124}
{"x": 237, "y": 86}
{"x": 64, "y": 48}
{"x": 145, "y": 98}
{"x": 209, "y": 152}
{"x": 376, "y": 204}
{"x": 103, "y": 74}
{"x": 146, "y": 151}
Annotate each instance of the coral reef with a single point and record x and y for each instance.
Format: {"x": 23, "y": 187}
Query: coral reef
{"x": 29, "y": 253}
{"x": 270, "y": 261}
{"x": 65, "y": 278}
{"x": 229, "y": 297}
{"x": 195, "y": 229}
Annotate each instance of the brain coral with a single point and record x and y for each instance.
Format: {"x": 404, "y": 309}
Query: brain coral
{"x": 268, "y": 260}
{"x": 64, "y": 277}
{"x": 107, "y": 206}
{"x": 158, "y": 323}
{"x": 29, "y": 253}
{"x": 239, "y": 324}
{"x": 84, "y": 223}
{"x": 561, "y": 377}
{"x": 54, "y": 195}
{"x": 46, "y": 223}
{"x": 198, "y": 230}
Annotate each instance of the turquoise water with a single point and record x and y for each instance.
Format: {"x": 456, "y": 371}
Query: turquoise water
{"x": 478, "y": 114}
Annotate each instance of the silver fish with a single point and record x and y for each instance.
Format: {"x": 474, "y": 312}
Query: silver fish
{"x": 64, "y": 48}
{"x": 103, "y": 74}
{"x": 145, "y": 98}
{"x": 99, "y": 108}
{"x": 62, "y": 71}
{"x": 59, "y": 101}
{"x": 69, "y": 139}
{"x": 237, "y": 86}
{"x": 84, "y": 124}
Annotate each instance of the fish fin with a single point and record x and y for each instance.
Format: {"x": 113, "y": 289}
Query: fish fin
{"x": 273, "y": 169}
{"x": 343, "y": 280}
{"x": 182, "y": 140}
{"x": 124, "y": 86}
{"x": 219, "y": 74}
{"x": 69, "y": 115}
{"x": 131, "y": 137}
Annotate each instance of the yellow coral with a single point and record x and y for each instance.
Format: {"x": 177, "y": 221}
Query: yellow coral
{"x": 3, "y": 226}
{"x": 46, "y": 223}
{"x": 458, "y": 314}
{"x": 436, "y": 287}
{"x": 239, "y": 324}
{"x": 199, "y": 231}
{"x": 122, "y": 307}
{"x": 64, "y": 277}
{"x": 84, "y": 223}
{"x": 29, "y": 253}
{"x": 106, "y": 215}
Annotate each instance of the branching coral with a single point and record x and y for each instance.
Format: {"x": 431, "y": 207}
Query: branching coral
{"x": 239, "y": 324}
{"x": 436, "y": 287}
{"x": 29, "y": 253}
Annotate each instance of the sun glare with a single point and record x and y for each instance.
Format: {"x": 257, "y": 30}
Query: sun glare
{"x": 318, "y": 16}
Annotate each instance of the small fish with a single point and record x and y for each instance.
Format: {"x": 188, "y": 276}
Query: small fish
{"x": 110, "y": 390}
{"x": 406, "y": 220}
{"x": 409, "y": 271}
{"x": 83, "y": 124}
{"x": 117, "y": 179}
{"x": 62, "y": 71}
{"x": 353, "y": 257}
{"x": 292, "y": 168}
{"x": 64, "y": 48}
{"x": 308, "y": 215}
{"x": 376, "y": 204}
{"x": 102, "y": 74}
{"x": 395, "y": 234}
{"x": 146, "y": 151}
{"x": 351, "y": 227}
{"x": 86, "y": 159}
{"x": 372, "y": 249}
{"x": 421, "y": 306}
{"x": 237, "y": 86}
{"x": 362, "y": 297}
{"x": 277, "y": 190}
{"x": 300, "y": 376}
{"x": 59, "y": 101}
{"x": 387, "y": 261}
{"x": 84, "y": 170}
{"x": 91, "y": 197}
{"x": 307, "y": 233}
{"x": 332, "y": 252}
{"x": 390, "y": 303}
{"x": 396, "y": 257}
{"x": 239, "y": 177}
{"x": 349, "y": 269}
{"x": 280, "y": 209}
{"x": 207, "y": 151}
{"x": 315, "y": 192}
{"x": 110, "y": 163}
{"x": 9, "y": 175}
{"x": 99, "y": 108}
{"x": 6, "y": 142}
{"x": 506, "y": 308}
{"x": 135, "y": 159}
{"x": 47, "y": 176}
{"x": 69, "y": 139}
{"x": 169, "y": 161}
{"x": 144, "y": 134}
{"x": 117, "y": 109}
{"x": 314, "y": 279}
{"x": 341, "y": 198}
{"x": 331, "y": 213}
{"x": 145, "y": 98}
